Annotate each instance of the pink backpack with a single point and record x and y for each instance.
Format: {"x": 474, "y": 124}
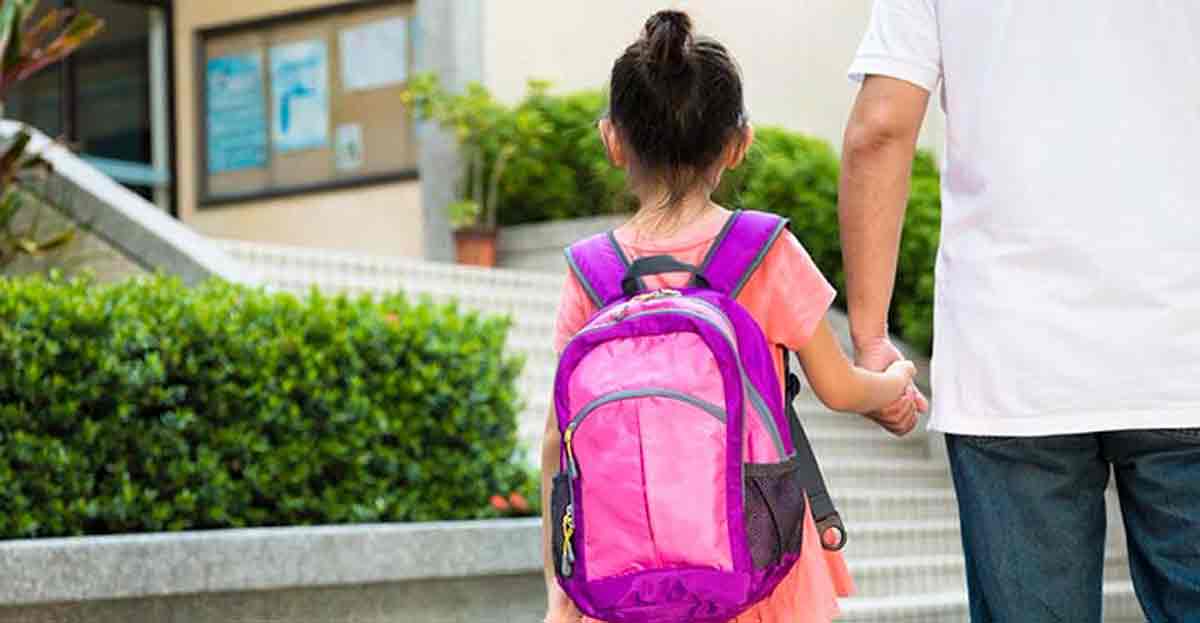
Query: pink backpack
{"x": 684, "y": 479}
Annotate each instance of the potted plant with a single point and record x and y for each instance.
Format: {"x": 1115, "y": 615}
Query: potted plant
{"x": 489, "y": 136}
{"x": 474, "y": 219}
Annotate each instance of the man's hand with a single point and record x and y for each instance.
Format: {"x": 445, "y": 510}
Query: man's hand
{"x": 900, "y": 417}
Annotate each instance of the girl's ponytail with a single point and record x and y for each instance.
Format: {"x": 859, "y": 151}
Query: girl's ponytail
{"x": 668, "y": 37}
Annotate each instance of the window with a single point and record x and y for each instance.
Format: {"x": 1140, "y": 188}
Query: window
{"x": 103, "y": 99}
{"x": 306, "y": 102}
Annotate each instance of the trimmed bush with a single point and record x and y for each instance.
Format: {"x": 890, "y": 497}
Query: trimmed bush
{"x": 565, "y": 173}
{"x": 150, "y": 406}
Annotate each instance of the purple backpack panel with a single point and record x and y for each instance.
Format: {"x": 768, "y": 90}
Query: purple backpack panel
{"x": 682, "y": 493}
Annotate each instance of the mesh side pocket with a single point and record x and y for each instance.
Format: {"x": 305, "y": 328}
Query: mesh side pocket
{"x": 775, "y": 507}
{"x": 559, "y": 499}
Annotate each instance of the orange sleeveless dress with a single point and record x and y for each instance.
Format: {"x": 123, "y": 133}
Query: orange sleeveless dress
{"x": 788, "y": 296}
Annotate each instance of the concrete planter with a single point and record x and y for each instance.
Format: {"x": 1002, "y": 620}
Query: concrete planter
{"x": 540, "y": 246}
{"x": 455, "y": 572}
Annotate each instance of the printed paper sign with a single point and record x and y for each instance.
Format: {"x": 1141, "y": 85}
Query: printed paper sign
{"x": 349, "y": 147}
{"x": 237, "y": 113}
{"x": 300, "y": 93}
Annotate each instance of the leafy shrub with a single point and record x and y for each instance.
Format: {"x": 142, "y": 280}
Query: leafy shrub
{"x": 568, "y": 175}
{"x": 150, "y": 406}
{"x": 539, "y": 160}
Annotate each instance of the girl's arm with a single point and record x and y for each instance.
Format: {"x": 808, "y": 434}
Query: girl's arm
{"x": 842, "y": 386}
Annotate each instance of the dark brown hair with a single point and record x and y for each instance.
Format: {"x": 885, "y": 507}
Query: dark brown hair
{"x": 677, "y": 102}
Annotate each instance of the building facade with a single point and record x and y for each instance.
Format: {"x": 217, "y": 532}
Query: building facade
{"x": 280, "y": 120}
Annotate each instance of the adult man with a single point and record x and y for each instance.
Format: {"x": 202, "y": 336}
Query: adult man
{"x": 1067, "y": 331}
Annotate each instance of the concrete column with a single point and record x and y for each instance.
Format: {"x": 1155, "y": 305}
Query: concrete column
{"x": 450, "y": 44}
{"x": 160, "y": 117}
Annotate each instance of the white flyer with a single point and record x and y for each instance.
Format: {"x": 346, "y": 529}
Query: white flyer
{"x": 348, "y": 141}
{"x": 374, "y": 55}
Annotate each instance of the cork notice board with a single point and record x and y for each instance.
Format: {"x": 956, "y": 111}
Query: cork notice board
{"x": 306, "y": 102}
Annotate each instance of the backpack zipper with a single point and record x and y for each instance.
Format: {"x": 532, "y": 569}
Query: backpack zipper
{"x": 568, "y": 520}
{"x": 756, "y": 400}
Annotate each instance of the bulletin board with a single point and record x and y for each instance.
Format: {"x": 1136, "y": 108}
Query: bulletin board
{"x": 306, "y": 102}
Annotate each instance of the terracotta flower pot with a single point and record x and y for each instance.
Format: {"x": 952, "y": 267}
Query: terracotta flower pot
{"x": 476, "y": 246}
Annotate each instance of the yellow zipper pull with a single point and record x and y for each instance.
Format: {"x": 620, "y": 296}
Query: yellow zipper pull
{"x": 567, "y": 437}
{"x": 568, "y": 528}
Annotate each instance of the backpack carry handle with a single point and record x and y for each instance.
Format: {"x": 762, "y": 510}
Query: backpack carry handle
{"x": 657, "y": 265}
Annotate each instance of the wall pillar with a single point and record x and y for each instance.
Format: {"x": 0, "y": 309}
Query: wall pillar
{"x": 450, "y": 44}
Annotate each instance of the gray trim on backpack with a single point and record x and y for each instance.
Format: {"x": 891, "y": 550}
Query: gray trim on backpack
{"x": 630, "y": 394}
{"x": 756, "y": 399}
{"x": 762, "y": 255}
{"x": 612, "y": 239}
{"x": 764, "y": 414}
{"x": 583, "y": 281}
{"x": 716, "y": 244}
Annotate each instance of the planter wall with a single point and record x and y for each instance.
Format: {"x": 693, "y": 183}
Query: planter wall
{"x": 540, "y": 246}
{"x": 461, "y": 572}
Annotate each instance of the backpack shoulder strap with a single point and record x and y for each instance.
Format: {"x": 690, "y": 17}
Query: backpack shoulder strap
{"x": 740, "y": 248}
{"x": 599, "y": 264}
{"x": 738, "y": 251}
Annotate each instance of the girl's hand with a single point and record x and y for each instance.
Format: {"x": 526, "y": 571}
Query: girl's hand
{"x": 561, "y": 608}
{"x": 900, "y": 417}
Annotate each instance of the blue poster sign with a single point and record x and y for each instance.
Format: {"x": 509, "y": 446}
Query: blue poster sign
{"x": 300, "y": 95}
{"x": 237, "y": 113}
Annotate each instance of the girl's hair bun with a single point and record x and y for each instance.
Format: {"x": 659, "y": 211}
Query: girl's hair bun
{"x": 668, "y": 35}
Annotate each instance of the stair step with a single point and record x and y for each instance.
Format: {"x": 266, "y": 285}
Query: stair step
{"x": 899, "y": 538}
{"x": 911, "y": 575}
{"x": 1120, "y": 606}
{"x": 832, "y": 444}
{"x": 845, "y": 473}
{"x": 874, "y": 505}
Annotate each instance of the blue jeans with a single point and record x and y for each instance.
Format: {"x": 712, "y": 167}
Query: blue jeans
{"x": 1033, "y": 523}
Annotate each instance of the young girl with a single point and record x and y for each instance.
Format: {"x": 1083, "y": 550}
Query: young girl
{"x": 677, "y": 122}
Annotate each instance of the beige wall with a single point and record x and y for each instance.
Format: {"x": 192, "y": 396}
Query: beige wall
{"x": 794, "y": 53}
{"x": 383, "y": 219}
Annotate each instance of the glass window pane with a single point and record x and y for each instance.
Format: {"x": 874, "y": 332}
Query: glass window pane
{"x": 38, "y": 102}
{"x": 112, "y": 73}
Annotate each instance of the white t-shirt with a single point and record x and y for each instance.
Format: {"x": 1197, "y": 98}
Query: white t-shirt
{"x": 1068, "y": 280}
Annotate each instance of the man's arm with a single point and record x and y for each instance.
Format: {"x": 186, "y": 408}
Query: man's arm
{"x": 877, "y": 156}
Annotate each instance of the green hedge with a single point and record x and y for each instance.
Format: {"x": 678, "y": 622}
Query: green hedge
{"x": 561, "y": 172}
{"x": 564, "y": 172}
{"x": 150, "y": 406}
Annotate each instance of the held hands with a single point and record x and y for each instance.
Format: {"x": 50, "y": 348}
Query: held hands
{"x": 900, "y": 417}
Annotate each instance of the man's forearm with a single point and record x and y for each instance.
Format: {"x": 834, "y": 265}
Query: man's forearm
{"x": 876, "y": 168}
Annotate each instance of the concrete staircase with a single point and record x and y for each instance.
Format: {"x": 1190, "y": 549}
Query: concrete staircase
{"x": 895, "y": 494}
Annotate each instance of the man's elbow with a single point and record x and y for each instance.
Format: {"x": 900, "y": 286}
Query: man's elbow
{"x": 876, "y": 131}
